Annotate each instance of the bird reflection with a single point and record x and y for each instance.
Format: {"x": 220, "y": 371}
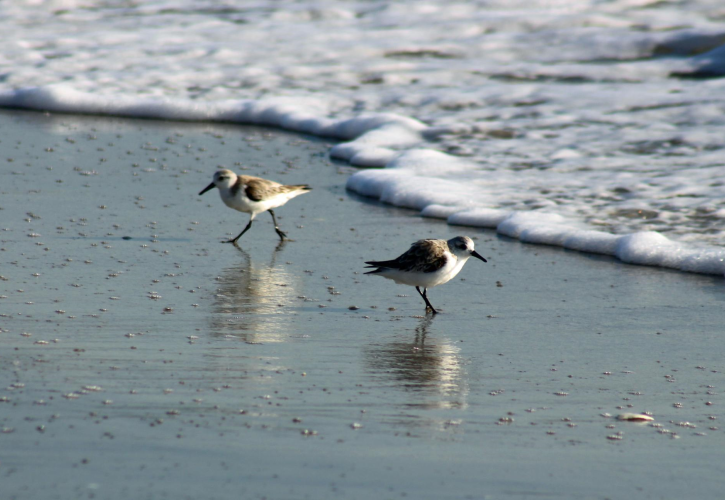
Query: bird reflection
{"x": 427, "y": 369}
{"x": 252, "y": 299}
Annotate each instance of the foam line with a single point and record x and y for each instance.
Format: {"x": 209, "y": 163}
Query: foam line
{"x": 434, "y": 183}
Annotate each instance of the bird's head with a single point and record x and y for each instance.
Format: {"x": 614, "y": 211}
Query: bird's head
{"x": 462, "y": 247}
{"x": 223, "y": 179}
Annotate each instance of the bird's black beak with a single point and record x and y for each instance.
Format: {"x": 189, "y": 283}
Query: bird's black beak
{"x": 210, "y": 186}
{"x": 476, "y": 254}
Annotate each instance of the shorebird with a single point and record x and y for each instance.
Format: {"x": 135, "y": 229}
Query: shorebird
{"x": 427, "y": 263}
{"x": 253, "y": 195}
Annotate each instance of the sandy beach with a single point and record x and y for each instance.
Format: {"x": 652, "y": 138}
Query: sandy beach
{"x": 143, "y": 358}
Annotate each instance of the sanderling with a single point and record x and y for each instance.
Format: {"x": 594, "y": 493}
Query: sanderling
{"x": 427, "y": 263}
{"x": 253, "y": 195}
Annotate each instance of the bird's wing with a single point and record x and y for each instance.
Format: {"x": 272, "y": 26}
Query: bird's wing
{"x": 424, "y": 255}
{"x": 259, "y": 189}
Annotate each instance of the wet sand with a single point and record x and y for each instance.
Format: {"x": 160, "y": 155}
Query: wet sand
{"x": 142, "y": 358}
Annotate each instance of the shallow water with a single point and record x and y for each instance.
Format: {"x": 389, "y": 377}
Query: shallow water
{"x": 606, "y": 116}
{"x": 170, "y": 364}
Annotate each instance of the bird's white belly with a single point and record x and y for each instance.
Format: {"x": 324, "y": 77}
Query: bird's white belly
{"x": 244, "y": 204}
{"x": 426, "y": 280}
{"x": 241, "y": 203}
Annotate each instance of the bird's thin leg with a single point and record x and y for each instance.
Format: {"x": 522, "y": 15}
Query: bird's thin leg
{"x": 234, "y": 241}
{"x": 428, "y": 306}
{"x": 282, "y": 235}
{"x": 425, "y": 297}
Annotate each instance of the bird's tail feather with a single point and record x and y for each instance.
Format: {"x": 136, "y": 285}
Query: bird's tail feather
{"x": 382, "y": 263}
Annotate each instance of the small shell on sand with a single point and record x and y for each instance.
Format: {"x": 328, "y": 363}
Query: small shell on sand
{"x": 634, "y": 417}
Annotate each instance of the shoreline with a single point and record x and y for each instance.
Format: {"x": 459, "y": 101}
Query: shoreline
{"x": 375, "y": 141}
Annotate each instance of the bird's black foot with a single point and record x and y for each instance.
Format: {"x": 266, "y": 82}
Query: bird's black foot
{"x": 282, "y": 235}
{"x": 233, "y": 242}
{"x": 429, "y": 309}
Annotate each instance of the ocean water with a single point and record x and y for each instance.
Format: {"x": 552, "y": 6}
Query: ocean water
{"x": 592, "y": 125}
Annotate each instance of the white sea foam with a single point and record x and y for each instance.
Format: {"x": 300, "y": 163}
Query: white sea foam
{"x": 596, "y": 126}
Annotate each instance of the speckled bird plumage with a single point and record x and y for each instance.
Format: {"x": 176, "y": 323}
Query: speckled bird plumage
{"x": 427, "y": 263}
{"x": 253, "y": 195}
